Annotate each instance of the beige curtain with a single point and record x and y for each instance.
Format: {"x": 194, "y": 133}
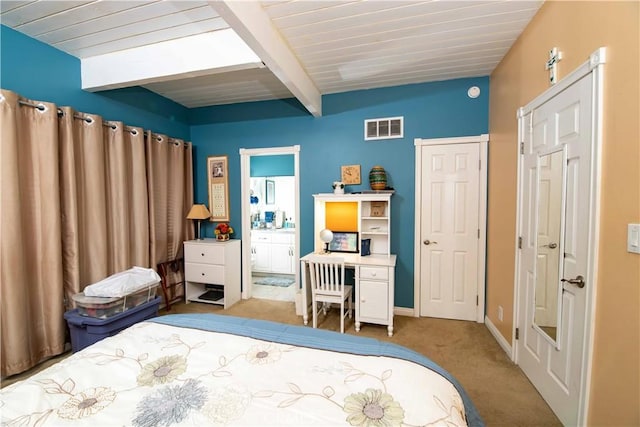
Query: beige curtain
{"x": 170, "y": 171}
{"x": 104, "y": 199}
{"x": 79, "y": 203}
{"x": 31, "y": 279}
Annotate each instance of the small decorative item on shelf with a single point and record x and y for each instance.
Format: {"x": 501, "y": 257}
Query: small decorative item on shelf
{"x": 222, "y": 231}
{"x": 377, "y": 208}
{"x": 365, "y": 247}
{"x": 378, "y": 178}
{"x": 338, "y": 187}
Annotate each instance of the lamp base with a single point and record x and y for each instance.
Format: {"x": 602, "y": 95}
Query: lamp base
{"x": 326, "y": 248}
{"x": 199, "y": 236}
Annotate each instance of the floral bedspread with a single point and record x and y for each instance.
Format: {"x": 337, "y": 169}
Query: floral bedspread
{"x": 161, "y": 375}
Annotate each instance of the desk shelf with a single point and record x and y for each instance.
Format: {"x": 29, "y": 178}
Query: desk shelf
{"x": 373, "y": 219}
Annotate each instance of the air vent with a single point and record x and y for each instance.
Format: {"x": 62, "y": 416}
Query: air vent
{"x": 387, "y": 128}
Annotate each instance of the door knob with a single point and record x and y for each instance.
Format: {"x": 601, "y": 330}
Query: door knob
{"x": 429, "y": 242}
{"x": 578, "y": 281}
{"x": 551, "y": 245}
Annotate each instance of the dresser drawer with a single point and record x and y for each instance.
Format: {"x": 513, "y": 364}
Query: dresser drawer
{"x": 374, "y": 273}
{"x": 204, "y": 273}
{"x": 208, "y": 254}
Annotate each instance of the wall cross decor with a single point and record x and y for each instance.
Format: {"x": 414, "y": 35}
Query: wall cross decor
{"x": 552, "y": 64}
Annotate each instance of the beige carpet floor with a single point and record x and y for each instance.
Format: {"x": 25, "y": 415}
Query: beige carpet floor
{"x": 498, "y": 388}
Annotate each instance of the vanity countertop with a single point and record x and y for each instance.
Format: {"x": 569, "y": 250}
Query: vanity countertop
{"x": 274, "y": 230}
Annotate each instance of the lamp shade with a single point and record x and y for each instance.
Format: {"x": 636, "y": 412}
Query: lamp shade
{"x": 326, "y": 235}
{"x": 199, "y": 212}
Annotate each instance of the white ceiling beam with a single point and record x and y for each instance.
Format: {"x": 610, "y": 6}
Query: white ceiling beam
{"x": 203, "y": 54}
{"x": 252, "y": 23}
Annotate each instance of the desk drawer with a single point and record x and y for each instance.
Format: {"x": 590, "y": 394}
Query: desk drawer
{"x": 204, "y": 273}
{"x": 209, "y": 254}
{"x": 374, "y": 273}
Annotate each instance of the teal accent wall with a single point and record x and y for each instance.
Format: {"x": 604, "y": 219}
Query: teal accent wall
{"x": 280, "y": 165}
{"x": 40, "y": 72}
{"x": 430, "y": 110}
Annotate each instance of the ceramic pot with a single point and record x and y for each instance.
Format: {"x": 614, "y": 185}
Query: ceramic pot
{"x": 378, "y": 178}
{"x": 222, "y": 237}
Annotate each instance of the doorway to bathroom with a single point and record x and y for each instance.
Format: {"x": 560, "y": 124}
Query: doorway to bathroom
{"x": 270, "y": 232}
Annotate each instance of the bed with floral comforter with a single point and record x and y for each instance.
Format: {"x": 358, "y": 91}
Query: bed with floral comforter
{"x": 206, "y": 369}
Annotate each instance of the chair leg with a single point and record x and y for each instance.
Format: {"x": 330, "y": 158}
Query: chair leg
{"x": 350, "y": 308}
{"x": 315, "y": 314}
{"x": 342, "y": 317}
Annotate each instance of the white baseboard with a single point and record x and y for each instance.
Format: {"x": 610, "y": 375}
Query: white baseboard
{"x": 403, "y": 311}
{"x": 498, "y": 336}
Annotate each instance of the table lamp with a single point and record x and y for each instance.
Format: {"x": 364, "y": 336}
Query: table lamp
{"x": 326, "y": 236}
{"x": 199, "y": 212}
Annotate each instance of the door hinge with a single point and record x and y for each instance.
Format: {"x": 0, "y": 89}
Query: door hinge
{"x": 477, "y": 300}
{"x": 517, "y": 333}
{"x": 479, "y": 164}
{"x": 478, "y": 233}
{"x": 520, "y": 242}
{"x": 522, "y": 148}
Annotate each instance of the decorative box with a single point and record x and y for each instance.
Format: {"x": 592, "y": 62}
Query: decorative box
{"x": 377, "y": 208}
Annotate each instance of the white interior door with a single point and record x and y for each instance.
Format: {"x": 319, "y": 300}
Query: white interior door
{"x": 449, "y": 231}
{"x": 554, "y": 365}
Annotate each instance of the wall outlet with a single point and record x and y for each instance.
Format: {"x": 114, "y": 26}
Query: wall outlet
{"x": 500, "y": 313}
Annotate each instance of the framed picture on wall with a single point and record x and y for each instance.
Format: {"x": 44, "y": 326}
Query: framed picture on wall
{"x": 344, "y": 241}
{"x": 270, "y": 191}
{"x": 218, "y": 185}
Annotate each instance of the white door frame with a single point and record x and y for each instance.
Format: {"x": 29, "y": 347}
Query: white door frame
{"x": 483, "y": 141}
{"x": 595, "y": 65}
{"x": 245, "y": 184}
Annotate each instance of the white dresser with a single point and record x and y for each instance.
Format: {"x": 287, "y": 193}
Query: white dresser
{"x": 210, "y": 262}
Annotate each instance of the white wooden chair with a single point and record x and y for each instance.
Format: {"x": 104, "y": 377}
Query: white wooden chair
{"x": 327, "y": 286}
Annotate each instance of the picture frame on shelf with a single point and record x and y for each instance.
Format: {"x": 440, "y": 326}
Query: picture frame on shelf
{"x": 218, "y": 187}
{"x": 344, "y": 241}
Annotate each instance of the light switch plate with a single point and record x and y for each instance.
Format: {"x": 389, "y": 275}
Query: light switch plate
{"x": 633, "y": 238}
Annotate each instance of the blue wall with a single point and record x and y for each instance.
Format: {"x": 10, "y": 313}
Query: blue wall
{"x": 430, "y": 110}
{"x": 37, "y": 71}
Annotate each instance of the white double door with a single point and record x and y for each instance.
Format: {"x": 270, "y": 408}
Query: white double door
{"x": 451, "y": 261}
{"x": 560, "y": 127}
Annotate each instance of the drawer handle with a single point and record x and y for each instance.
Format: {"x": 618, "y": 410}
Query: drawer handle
{"x": 202, "y": 254}
{"x": 202, "y": 274}
{"x": 373, "y": 274}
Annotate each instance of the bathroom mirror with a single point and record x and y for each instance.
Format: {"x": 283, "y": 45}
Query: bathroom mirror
{"x": 549, "y": 232}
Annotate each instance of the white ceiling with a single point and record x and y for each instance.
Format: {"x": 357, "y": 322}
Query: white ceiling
{"x": 190, "y": 52}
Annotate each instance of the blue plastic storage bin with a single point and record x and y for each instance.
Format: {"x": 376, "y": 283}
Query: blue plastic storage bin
{"x": 88, "y": 330}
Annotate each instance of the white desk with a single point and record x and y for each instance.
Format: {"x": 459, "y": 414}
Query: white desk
{"x": 374, "y": 287}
